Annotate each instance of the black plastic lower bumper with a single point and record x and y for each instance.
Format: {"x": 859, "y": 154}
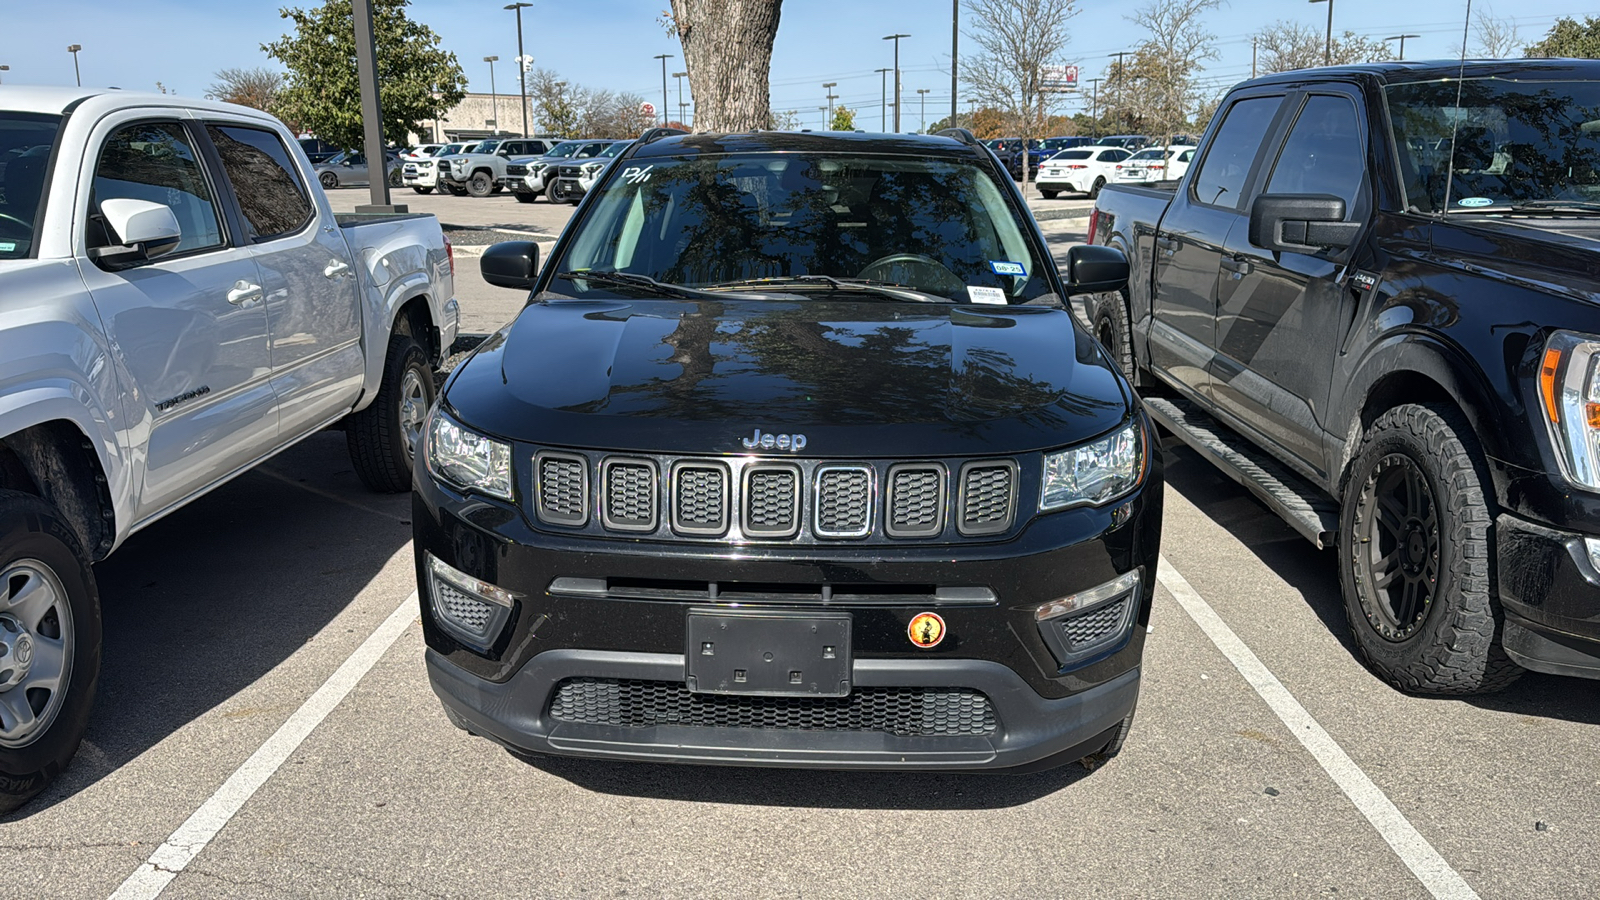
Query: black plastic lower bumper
{"x": 1032, "y": 730}
{"x": 1550, "y": 588}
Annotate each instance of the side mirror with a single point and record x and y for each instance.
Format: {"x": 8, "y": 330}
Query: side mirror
{"x": 512, "y": 264}
{"x": 1093, "y": 269}
{"x": 1300, "y": 223}
{"x": 144, "y": 229}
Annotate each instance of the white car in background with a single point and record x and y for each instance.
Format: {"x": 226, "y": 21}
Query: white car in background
{"x": 421, "y": 174}
{"x": 1080, "y": 170}
{"x": 1154, "y": 164}
{"x": 421, "y": 151}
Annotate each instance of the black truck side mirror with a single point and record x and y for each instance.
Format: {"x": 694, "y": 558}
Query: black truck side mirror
{"x": 1094, "y": 269}
{"x": 1300, "y": 223}
{"x": 511, "y": 264}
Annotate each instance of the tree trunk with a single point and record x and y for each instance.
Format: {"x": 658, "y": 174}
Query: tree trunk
{"x": 727, "y": 50}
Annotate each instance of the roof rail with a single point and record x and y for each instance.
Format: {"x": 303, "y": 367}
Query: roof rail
{"x": 960, "y": 134}
{"x": 655, "y": 133}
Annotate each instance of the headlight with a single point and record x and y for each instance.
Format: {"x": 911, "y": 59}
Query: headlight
{"x": 1569, "y": 386}
{"x": 467, "y": 459}
{"x": 592, "y": 168}
{"x": 536, "y": 168}
{"x": 1095, "y": 473}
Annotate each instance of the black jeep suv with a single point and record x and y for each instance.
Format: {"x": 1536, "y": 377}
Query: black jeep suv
{"x": 795, "y": 457}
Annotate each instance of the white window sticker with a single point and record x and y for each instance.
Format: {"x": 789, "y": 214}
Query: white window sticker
{"x": 7, "y": 246}
{"x": 986, "y": 295}
{"x": 1002, "y": 267}
{"x": 636, "y": 174}
{"x": 1474, "y": 201}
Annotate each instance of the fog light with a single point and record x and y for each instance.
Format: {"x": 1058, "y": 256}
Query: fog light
{"x": 1090, "y": 622}
{"x": 472, "y": 610}
{"x": 1593, "y": 546}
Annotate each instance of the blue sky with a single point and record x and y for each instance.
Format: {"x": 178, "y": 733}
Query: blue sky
{"x": 609, "y": 43}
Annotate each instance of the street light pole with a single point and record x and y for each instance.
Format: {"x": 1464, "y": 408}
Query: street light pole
{"x": 73, "y": 49}
{"x": 828, "y": 86}
{"x": 522, "y": 65}
{"x": 682, "y": 120}
{"x": 896, "y": 38}
{"x": 1402, "y": 39}
{"x": 924, "y": 98}
{"x": 494, "y": 97}
{"x": 663, "y": 57}
{"x": 1121, "y": 76}
{"x": 1094, "y": 106}
{"x": 1327, "y": 44}
{"x": 883, "y": 99}
{"x": 371, "y": 110}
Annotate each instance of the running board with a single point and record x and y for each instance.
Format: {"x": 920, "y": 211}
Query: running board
{"x": 1306, "y": 509}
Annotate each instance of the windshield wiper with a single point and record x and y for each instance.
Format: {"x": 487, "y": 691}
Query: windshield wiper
{"x": 644, "y": 283}
{"x": 882, "y": 289}
{"x": 1576, "y": 206}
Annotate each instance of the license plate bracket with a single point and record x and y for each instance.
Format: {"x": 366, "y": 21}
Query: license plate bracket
{"x": 768, "y": 653}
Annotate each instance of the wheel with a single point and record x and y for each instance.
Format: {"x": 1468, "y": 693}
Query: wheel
{"x": 456, "y": 191}
{"x": 50, "y": 635}
{"x": 421, "y": 190}
{"x": 525, "y": 198}
{"x": 1108, "y": 314}
{"x": 1094, "y": 192}
{"x": 383, "y": 438}
{"x": 396, "y": 178}
{"x": 1113, "y": 747}
{"x": 480, "y": 184}
{"x": 1414, "y": 547}
{"x": 553, "y": 193}
{"x": 498, "y": 187}
{"x": 329, "y": 180}
{"x": 1048, "y": 195}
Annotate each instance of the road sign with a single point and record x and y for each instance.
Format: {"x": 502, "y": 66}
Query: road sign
{"x": 1058, "y": 79}
{"x": 647, "y": 109}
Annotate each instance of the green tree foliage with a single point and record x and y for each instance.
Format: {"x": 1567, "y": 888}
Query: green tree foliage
{"x": 1569, "y": 39}
{"x": 844, "y": 119}
{"x": 417, "y": 80}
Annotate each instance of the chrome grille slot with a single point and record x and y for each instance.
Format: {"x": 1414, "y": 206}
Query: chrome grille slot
{"x": 988, "y": 497}
{"x": 629, "y": 499}
{"x": 563, "y": 488}
{"x": 700, "y": 498}
{"x": 843, "y": 501}
{"x": 771, "y": 501}
{"x": 916, "y": 501}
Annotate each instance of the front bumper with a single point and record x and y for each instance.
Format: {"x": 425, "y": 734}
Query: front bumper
{"x": 428, "y": 177}
{"x": 571, "y": 189}
{"x": 1550, "y": 589}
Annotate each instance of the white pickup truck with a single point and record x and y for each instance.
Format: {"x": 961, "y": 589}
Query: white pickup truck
{"x": 178, "y": 302}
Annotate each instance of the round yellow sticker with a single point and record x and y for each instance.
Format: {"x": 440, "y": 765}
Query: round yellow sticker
{"x": 926, "y": 630}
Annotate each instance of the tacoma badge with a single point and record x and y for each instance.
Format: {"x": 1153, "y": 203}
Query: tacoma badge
{"x": 769, "y": 441}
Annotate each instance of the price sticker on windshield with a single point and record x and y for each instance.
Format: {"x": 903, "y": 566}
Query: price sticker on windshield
{"x": 990, "y": 295}
{"x": 1001, "y": 267}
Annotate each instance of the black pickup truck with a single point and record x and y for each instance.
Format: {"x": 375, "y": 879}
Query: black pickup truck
{"x": 1373, "y": 302}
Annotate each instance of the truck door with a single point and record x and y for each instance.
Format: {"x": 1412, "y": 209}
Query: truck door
{"x": 189, "y": 326}
{"x": 1280, "y": 316}
{"x": 313, "y": 315}
{"x": 1189, "y": 243}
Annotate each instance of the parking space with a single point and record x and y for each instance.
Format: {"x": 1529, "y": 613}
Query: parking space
{"x": 226, "y": 622}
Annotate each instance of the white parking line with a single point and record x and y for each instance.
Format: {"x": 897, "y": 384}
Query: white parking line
{"x": 330, "y": 495}
{"x": 151, "y": 878}
{"x": 1419, "y": 856}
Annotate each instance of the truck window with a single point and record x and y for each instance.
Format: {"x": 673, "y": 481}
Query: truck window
{"x": 1220, "y": 181}
{"x": 153, "y": 161}
{"x": 26, "y": 142}
{"x": 270, "y": 195}
{"x": 1323, "y": 154}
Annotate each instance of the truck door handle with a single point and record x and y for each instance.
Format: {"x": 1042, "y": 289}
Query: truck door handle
{"x": 1237, "y": 266}
{"x": 1168, "y": 245}
{"x": 244, "y": 293}
{"x": 335, "y": 268}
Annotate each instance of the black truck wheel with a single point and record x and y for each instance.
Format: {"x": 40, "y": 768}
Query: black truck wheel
{"x": 524, "y": 197}
{"x": 49, "y": 646}
{"x": 1094, "y": 192}
{"x": 396, "y": 179}
{"x": 421, "y": 190}
{"x": 384, "y": 437}
{"x": 329, "y": 180}
{"x": 1108, "y": 318}
{"x": 1414, "y": 546}
{"x": 1048, "y": 195}
{"x": 480, "y": 184}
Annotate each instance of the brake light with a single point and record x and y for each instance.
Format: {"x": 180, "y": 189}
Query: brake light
{"x": 1094, "y": 223}
{"x": 450, "y": 251}
{"x": 1077, "y": 167}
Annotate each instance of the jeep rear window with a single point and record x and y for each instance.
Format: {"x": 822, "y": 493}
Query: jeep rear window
{"x": 939, "y": 226}
{"x": 26, "y": 140}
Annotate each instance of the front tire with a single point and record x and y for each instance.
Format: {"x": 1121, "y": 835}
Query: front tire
{"x": 1108, "y": 318}
{"x": 384, "y": 437}
{"x": 422, "y": 190}
{"x": 1048, "y": 195}
{"x": 396, "y": 178}
{"x": 525, "y": 198}
{"x": 329, "y": 180}
{"x": 1415, "y": 537}
{"x": 50, "y": 629}
{"x": 480, "y": 184}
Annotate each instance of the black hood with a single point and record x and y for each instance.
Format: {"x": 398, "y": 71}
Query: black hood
{"x": 858, "y": 379}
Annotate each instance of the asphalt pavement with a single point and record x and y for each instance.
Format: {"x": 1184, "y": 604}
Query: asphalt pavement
{"x": 265, "y": 729}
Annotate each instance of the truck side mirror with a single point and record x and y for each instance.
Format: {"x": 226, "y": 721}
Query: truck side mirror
{"x": 143, "y": 230}
{"x": 1094, "y": 269}
{"x": 511, "y": 264}
{"x": 1300, "y": 223}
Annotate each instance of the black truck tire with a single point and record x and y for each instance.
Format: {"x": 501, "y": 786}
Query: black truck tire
{"x": 1094, "y": 191}
{"x": 1414, "y": 555}
{"x": 421, "y": 190}
{"x": 1108, "y": 320}
{"x": 480, "y": 184}
{"x": 384, "y": 437}
{"x": 1048, "y": 195}
{"x": 524, "y": 197}
{"x": 396, "y": 179}
{"x": 45, "y": 571}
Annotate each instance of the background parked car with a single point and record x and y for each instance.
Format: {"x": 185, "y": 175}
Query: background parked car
{"x": 1010, "y": 152}
{"x": 576, "y": 177}
{"x": 1153, "y": 164}
{"x": 349, "y": 167}
{"x": 1082, "y": 170}
{"x": 482, "y": 171}
{"x": 422, "y": 174}
{"x": 1129, "y": 142}
{"x": 421, "y": 151}
{"x": 1055, "y": 145}
{"x": 317, "y": 150}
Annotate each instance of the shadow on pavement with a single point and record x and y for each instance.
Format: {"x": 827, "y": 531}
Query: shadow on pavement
{"x": 812, "y": 788}
{"x": 201, "y": 604}
{"x": 1312, "y": 572}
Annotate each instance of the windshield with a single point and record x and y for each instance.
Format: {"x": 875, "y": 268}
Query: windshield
{"x": 487, "y": 147}
{"x": 1150, "y": 154}
{"x": 561, "y": 151}
{"x": 26, "y": 140}
{"x": 939, "y": 227}
{"x": 1515, "y": 143}
{"x": 449, "y": 150}
{"x": 614, "y": 150}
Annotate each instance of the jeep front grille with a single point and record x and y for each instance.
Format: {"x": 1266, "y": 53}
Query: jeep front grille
{"x": 700, "y": 498}
{"x": 844, "y": 501}
{"x": 630, "y": 494}
{"x": 916, "y": 501}
{"x": 563, "y": 488}
{"x": 988, "y": 497}
{"x": 772, "y": 501}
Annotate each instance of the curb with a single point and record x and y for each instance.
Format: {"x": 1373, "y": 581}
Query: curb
{"x": 1046, "y": 215}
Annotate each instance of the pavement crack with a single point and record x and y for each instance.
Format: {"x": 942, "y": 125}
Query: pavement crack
{"x": 70, "y": 845}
